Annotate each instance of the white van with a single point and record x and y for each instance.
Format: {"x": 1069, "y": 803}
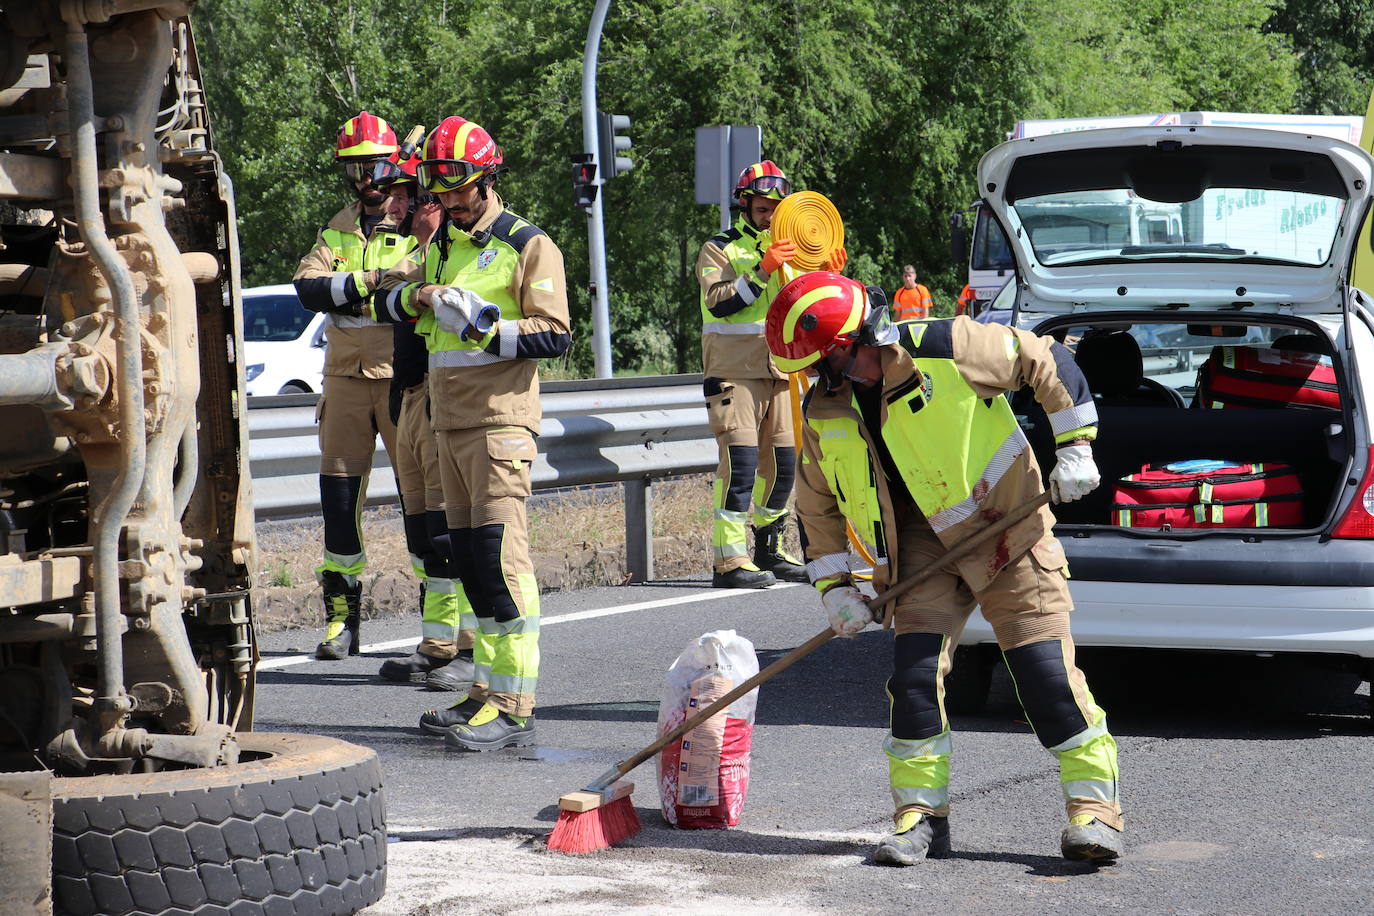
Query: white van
{"x": 1257, "y": 272}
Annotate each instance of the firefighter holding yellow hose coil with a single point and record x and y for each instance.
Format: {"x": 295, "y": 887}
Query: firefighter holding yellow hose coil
{"x": 747, "y": 398}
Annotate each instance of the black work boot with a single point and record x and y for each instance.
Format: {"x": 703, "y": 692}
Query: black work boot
{"x": 438, "y": 721}
{"x": 743, "y": 577}
{"x": 455, "y": 675}
{"x": 412, "y": 670}
{"x": 769, "y": 555}
{"x": 493, "y": 729}
{"x": 918, "y": 836}
{"x": 341, "y": 617}
{"x": 1088, "y": 839}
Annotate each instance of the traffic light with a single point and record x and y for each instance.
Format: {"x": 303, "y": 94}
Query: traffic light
{"x": 584, "y": 179}
{"x": 611, "y": 144}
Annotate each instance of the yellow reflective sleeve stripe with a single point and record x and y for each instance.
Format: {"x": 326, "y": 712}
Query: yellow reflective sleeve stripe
{"x": 545, "y": 285}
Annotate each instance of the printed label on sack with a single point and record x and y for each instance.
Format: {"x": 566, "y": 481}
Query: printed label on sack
{"x": 699, "y": 770}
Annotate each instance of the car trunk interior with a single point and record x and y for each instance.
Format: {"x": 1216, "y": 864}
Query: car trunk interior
{"x": 1144, "y": 421}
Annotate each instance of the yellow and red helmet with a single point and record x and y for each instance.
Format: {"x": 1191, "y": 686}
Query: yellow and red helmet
{"x": 365, "y": 136}
{"x": 391, "y": 170}
{"x": 457, "y": 153}
{"x": 812, "y": 315}
{"x": 764, "y": 179}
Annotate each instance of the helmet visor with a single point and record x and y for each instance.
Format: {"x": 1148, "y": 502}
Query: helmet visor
{"x": 447, "y": 174}
{"x": 361, "y": 169}
{"x": 385, "y": 172}
{"x": 768, "y": 185}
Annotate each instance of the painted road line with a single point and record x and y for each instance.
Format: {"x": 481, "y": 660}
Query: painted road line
{"x": 543, "y": 622}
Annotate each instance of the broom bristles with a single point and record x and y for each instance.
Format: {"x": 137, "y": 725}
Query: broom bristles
{"x": 600, "y": 828}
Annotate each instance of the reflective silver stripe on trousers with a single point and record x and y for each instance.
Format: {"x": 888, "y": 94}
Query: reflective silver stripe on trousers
{"x": 437, "y": 586}
{"x": 746, "y": 290}
{"x": 1092, "y": 731}
{"x": 906, "y": 748}
{"x": 728, "y": 327}
{"x": 1095, "y": 789}
{"x": 1061, "y": 421}
{"x": 998, "y": 465}
{"x": 451, "y": 359}
{"x": 935, "y": 799}
{"x": 338, "y": 288}
{"x": 430, "y": 630}
{"x": 832, "y": 564}
{"x": 511, "y": 683}
{"x": 524, "y": 624}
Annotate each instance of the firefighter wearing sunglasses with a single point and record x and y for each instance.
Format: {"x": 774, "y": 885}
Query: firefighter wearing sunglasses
{"x": 747, "y": 401}
{"x": 908, "y": 438}
{"x": 489, "y": 296}
{"x": 338, "y": 277}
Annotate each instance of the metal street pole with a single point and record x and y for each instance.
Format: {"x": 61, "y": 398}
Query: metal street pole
{"x": 596, "y": 234}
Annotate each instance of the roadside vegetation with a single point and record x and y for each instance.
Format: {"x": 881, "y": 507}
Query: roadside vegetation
{"x": 884, "y": 107}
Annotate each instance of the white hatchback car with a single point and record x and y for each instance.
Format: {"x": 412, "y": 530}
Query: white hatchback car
{"x": 283, "y": 343}
{"x": 1175, "y": 263}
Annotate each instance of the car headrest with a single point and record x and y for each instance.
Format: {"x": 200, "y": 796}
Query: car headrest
{"x": 1111, "y": 362}
{"x": 1302, "y": 343}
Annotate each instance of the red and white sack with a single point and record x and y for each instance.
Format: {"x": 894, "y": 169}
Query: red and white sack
{"x": 703, "y": 777}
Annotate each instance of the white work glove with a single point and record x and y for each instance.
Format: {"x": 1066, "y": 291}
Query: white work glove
{"x": 847, "y": 610}
{"x": 457, "y": 309}
{"x": 1074, "y": 475}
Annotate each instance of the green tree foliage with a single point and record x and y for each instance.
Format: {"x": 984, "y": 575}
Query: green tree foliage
{"x": 885, "y": 108}
{"x": 1335, "y": 43}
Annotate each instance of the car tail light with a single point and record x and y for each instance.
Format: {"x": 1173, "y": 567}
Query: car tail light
{"x": 1358, "y": 520}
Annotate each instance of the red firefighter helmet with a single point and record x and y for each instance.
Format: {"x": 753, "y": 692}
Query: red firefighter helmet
{"x": 812, "y": 315}
{"x": 391, "y": 170}
{"x": 764, "y": 179}
{"x": 365, "y": 136}
{"x": 457, "y": 153}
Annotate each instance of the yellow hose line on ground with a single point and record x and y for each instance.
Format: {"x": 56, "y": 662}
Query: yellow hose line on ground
{"x": 812, "y": 222}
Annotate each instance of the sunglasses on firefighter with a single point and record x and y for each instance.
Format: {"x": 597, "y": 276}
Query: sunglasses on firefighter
{"x": 766, "y": 183}
{"x": 446, "y": 174}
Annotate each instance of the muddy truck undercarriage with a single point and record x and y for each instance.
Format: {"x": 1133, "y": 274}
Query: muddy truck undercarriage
{"x": 130, "y": 779}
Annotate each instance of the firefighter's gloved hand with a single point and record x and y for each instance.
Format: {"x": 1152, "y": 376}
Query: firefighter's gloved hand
{"x": 1074, "y": 475}
{"x": 457, "y": 310}
{"x": 838, "y": 258}
{"x": 847, "y": 610}
{"x": 778, "y": 254}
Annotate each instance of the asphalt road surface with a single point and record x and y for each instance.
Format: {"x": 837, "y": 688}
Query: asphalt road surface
{"x": 1248, "y": 783}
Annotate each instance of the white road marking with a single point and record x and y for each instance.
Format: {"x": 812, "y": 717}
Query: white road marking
{"x": 543, "y": 622}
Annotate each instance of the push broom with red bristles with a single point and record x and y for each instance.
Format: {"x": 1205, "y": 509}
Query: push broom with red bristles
{"x": 602, "y": 815}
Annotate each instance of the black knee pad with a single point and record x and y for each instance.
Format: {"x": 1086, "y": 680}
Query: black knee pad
{"x": 339, "y": 507}
{"x": 744, "y": 463}
{"x": 914, "y": 686}
{"x": 785, "y": 460}
{"x": 486, "y": 548}
{"x": 417, "y": 535}
{"x": 1042, "y": 683}
{"x": 464, "y": 567}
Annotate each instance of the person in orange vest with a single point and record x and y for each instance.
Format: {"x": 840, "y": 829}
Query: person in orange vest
{"x": 965, "y": 299}
{"x": 911, "y": 300}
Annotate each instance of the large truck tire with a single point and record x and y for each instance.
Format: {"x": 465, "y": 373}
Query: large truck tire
{"x": 296, "y": 827}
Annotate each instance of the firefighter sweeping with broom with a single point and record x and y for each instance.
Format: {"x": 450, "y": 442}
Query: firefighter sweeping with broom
{"x": 923, "y": 399}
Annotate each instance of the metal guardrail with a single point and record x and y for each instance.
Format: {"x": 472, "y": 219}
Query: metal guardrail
{"x": 628, "y": 430}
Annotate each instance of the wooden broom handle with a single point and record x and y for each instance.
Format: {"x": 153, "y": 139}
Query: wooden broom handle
{"x": 967, "y": 546}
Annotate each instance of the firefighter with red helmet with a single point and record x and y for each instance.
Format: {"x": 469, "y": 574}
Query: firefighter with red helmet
{"x": 338, "y": 277}
{"x": 747, "y": 401}
{"x": 908, "y": 438}
{"x": 443, "y": 659}
{"x": 489, "y": 296}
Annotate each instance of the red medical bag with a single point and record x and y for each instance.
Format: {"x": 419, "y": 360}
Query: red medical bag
{"x": 1261, "y": 377}
{"x": 1209, "y": 494}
